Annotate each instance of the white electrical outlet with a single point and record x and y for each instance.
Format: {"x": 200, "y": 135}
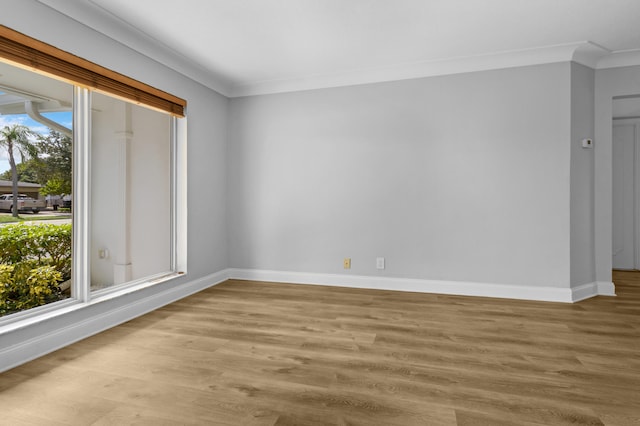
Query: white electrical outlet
{"x": 380, "y": 263}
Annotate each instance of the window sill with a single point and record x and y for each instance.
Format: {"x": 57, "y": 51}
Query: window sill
{"x": 21, "y": 320}
{"x": 130, "y": 287}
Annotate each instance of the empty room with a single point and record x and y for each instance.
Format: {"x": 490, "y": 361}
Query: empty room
{"x": 320, "y": 212}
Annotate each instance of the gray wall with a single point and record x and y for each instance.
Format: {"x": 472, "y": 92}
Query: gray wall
{"x": 582, "y": 176}
{"x": 463, "y": 177}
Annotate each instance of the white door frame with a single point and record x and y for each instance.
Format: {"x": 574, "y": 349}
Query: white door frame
{"x": 635, "y": 121}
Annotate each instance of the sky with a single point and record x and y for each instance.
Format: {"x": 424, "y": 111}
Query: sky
{"x": 63, "y": 118}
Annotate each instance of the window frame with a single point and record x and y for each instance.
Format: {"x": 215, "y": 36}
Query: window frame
{"x": 81, "y": 294}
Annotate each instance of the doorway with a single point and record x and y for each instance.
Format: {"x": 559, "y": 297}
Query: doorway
{"x": 626, "y": 183}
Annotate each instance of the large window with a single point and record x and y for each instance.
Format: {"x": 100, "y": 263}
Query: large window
{"x": 35, "y": 170}
{"x": 130, "y": 192}
{"x": 115, "y": 219}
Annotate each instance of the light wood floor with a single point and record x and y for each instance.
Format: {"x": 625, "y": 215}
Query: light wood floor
{"x": 246, "y": 353}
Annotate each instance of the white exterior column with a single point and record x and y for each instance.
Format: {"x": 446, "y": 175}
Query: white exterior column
{"x": 121, "y": 211}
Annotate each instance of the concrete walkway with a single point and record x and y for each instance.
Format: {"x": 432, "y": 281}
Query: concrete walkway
{"x": 43, "y": 214}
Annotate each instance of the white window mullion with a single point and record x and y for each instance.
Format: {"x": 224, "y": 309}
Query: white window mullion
{"x": 179, "y": 195}
{"x": 81, "y": 193}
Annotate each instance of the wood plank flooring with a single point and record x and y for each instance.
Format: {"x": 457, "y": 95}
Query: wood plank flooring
{"x": 248, "y": 353}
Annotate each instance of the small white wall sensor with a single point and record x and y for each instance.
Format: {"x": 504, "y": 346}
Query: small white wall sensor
{"x": 587, "y": 143}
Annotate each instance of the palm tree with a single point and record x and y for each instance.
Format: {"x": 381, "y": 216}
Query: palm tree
{"x": 16, "y": 137}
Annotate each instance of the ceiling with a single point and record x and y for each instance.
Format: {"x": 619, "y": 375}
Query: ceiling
{"x": 245, "y": 47}
{"x": 18, "y": 85}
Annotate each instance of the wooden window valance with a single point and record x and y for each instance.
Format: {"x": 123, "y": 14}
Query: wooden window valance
{"x": 41, "y": 57}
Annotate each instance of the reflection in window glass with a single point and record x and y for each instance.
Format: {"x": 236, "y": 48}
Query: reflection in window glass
{"x": 130, "y": 192}
{"x": 35, "y": 171}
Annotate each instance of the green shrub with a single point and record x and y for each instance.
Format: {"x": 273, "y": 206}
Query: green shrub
{"x": 19, "y": 293}
{"x": 34, "y": 260}
{"x": 46, "y": 244}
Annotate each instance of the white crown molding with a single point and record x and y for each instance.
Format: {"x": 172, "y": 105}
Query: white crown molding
{"x": 583, "y": 52}
{"x": 89, "y": 14}
{"x": 589, "y": 54}
{"x": 459, "y": 288}
{"x": 628, "y": 58}
{"x": 93, "y": 16}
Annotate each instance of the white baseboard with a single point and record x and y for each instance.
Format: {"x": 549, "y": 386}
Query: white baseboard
{"x": 606, "y": 288}
{"x": 584, "y": 291}
{"x": 460, "y": 288}
{"x": 596, "y": 288}
{"x": 74, "y": 325}
{"x": 33, "y": 344}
